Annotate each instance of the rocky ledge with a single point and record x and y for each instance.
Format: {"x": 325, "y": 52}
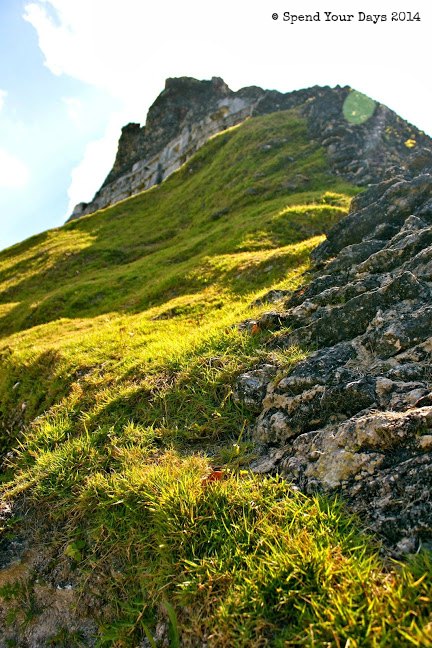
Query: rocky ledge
{"x": 355, "y": 417}
{"x": 361, "y": 138}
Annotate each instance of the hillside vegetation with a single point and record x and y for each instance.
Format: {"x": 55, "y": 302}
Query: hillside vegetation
{"x": 119, "y": 350}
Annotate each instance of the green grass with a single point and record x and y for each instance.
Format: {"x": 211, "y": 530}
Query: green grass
{"x": 149, "y": 249}
{"x": 119, "y": 352}
{"x": 244, "y": 562}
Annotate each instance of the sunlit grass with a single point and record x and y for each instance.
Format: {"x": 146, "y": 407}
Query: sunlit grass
{"x": 243, "y": 562}
{"x": 119, "y": 351}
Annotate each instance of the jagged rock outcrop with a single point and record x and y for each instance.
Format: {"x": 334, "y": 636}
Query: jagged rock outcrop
{"x": 181, "y": 120}
{"x": 355, "y": 417}
{"x": 189, "y": 111}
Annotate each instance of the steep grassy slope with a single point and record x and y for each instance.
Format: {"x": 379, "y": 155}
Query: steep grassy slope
{"x": 193, "y": 251}
{"x": 227, "y": 200}
{"x": 119, "y": 351}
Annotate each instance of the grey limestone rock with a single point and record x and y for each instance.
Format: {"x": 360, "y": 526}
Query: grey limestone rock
{"x": 355, "y": 417}
{"x": 251, "y": 387}
{"x": 188, "y": 112}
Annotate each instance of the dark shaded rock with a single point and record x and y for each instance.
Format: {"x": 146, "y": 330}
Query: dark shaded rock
{"x": 352, "y": 254}
{"x": 330, "y": 324}
{"x": 271, "y": 321}
{"x": 251, "y": 387}
{"x": 355, "y": 417}
{"x": 399, "y": 200}
{"x": 396, "y": 331}
{"x": 421, "y": 264}
{"x": 12, "y": 547}
{"x": 420, "y": 160}
{"x": 397, "y": 503}
{"x": 288, "y": 417}
{"x": 318, "y": 369}
{"x": 316, "y": 287}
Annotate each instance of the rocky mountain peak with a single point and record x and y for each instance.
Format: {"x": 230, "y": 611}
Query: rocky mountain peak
{"x": 362, "y": 138}
{"x": 188, "y": 85}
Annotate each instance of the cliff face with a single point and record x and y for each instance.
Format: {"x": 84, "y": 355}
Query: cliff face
{"x": 181, "y": 120}
{"x": 360, "y": 147}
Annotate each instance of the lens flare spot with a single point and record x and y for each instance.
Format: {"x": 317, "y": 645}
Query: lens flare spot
{"x": 358, "y": 108}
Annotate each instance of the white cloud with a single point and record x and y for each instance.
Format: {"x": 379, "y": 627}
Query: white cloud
{"x": 3, "y": 95}
{"x": 105, "y": 44}
{"x": 94, "y": 167}
{"x": 14, "y": 174}
{"x": 74, "y": 109}
{"x": 128, "y": 48}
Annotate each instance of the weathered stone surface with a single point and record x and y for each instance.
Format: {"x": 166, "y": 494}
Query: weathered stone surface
{"x": 251, "y": 386}
{"x": 398, "y": 201}
{"x": 189, "y": 111}
{"x": 355, "y": 417}
{"x": 181, "y": 120}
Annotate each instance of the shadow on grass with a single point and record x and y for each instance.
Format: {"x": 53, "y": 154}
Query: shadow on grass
{"x": 31, "y": 389}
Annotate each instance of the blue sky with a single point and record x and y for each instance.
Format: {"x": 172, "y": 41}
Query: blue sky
{"x": 72, "y": 72}
{"x": 40, "y": 142}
